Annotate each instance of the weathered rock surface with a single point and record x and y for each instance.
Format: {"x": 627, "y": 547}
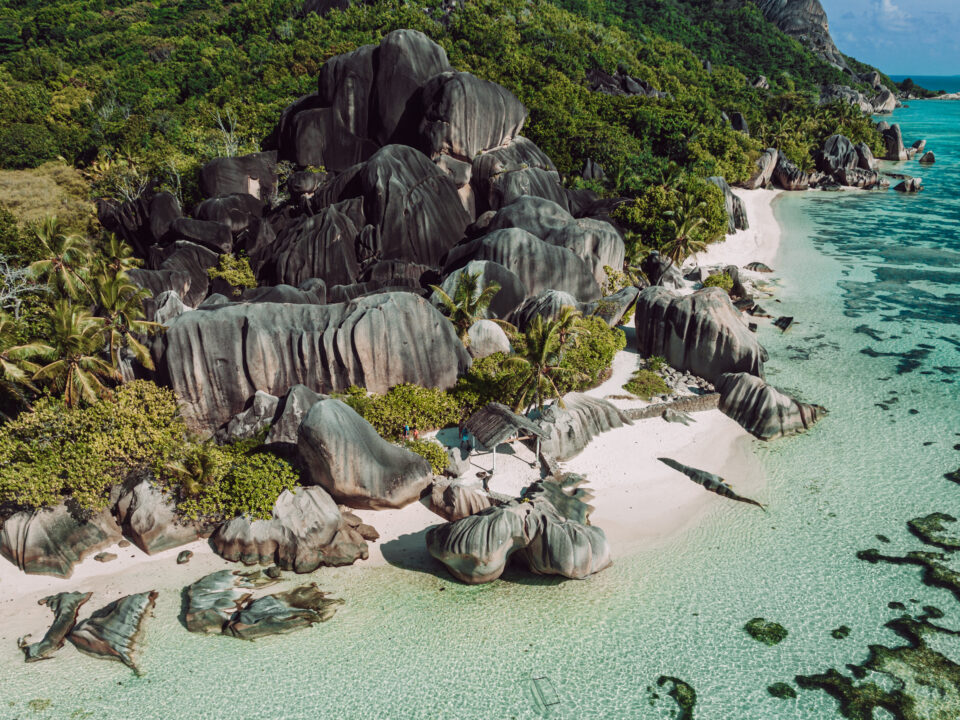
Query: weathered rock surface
{"x": 254, "y": 174}
{"x": 212, "y": 600}
{"x": 291, "y": 409}
{"x": 547, "y": 529}
{"x": 65, "y": 607}
{"x": 547, "y": 304}
{"x": 613, "y": 308}
{"x": 502, "y": 174}
{"x": 855, "y": 177}
{"x": 837, "y": 154}
{"x": 893, "y": 140}
{"x": 574, "y": 425}
{"x": 247, "y": 424}
{"x": 865, "y": 159}
{"x": 305, "y": 532}
{"x": 456, "y": 499}
{"x": 702, "y": 333}
{"x": 113, "y": 631}
{"x": 282, "y": 613}
{"x": 318, "y": 246}
{"x": 51, "y": 541}
{"x": 661, "y": 271}
{"x": 788, "y": 176}
{"x": 512, "y": 290}
{"x": 736, "y": 210}
{"x": 148, "y": 517}
{"x": 910, "y": 185}
{"x": 217, "y": 358}
{"x": 763, "y": 410}
{"x": 341, "y": 451}
{"x": 806, "y": 21}
{"x": 486, "y": 338}
{"x": 928, "y": 158}
{"x": 765, "y": 166}
{"x": 142, "y": 222}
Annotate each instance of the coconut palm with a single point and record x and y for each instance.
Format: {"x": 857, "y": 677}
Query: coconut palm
{"x": 65, "y": 257}
{"x": 469, "y": 302}
{"x": 202, "y": 466}
{"x": 16, "y": 366}
{"x": 76, "y": 367}
{"x": 686, "y": 219}
{"x": 116, "y": 258}
{"x": 541, "y": 350}
{"x": 119, "y": 309}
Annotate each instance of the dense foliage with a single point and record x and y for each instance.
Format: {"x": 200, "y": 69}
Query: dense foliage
{"x": 721, "y": 280}
{"x": 411, "y": 405}
{"x": 235, "y": 272}
{"x": 645, "y": 383}
{"x": 430, "y": 450}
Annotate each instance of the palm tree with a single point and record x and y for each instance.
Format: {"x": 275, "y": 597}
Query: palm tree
{"x": 686, "y": 219}
{"x": 468, "y": 304}
{"x": 119, "y": 308}
{"x": 116, "y": 258}
{"x": 65, "y": 257}
{"x": 541, "y": 350}
{"x": 16, "y": 366}
{"x": 76, "y": 368}
{"x": 199, "y": 468}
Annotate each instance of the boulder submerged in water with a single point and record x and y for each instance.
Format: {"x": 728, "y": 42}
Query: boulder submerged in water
{"x": 113, "y": 632}
{"x": 212, "y": 600}
{"x": 761, "y": 409}
{"x": 282, "y": 613}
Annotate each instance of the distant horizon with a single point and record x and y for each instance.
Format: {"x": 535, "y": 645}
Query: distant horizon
{"x": 899, "y": 37}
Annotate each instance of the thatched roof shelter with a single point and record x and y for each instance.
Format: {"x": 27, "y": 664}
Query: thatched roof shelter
{"x": 496, "y": 423}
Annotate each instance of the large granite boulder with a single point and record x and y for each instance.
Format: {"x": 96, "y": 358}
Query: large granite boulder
{"x": 304, "y": 532}
{"x": 181, "y": 267}
{"x": 855, "y": 177}
{"x": 573, "y": 425}
{"x": 113, "y": 632}
{"x": 893, "y": 142}
{"x": 65, "y": 607}
{"x": 213, "y": 599}
{"x": 928, "y": 158}
{"x": 254, "y": 174}
{"x": 660, "y": 270}
{"x": 534, "y": 182}
{"x": 595, "y": 242}
{"x": 142, "y": 222}
{"x": 765, "y": 164}
{"x": 464, "y": 115}
{"x": 289, "y": 414}
{"x": 806, "y": 21}
{"x": 51, "y": 541}
{"x": 865, "y": 159}
{"x": 547, "y": 529}
{"x": 702, "y": 333}
{"x": 214, "y": 236}
{"x": 837, "y": 154}
{"x": 148, "y": 517}
{"x": 216, "y": 358}
{"x": 736, "y": 210}
{"x": 282, "y": 613}
{"x": 320, "y": 246}
{"x": 547, "y": 304}
{"x": 539, "y": 265}
{"x": 485, "y": 338}
{"x": 512, "y": 290}
{"x": 884, "y": 102}
{"x": 612, "y": 308}
{"x": 910, "y": 185}
{"x": 788, "y": 176}
{"x": 499, "y": 174}
{"x": 341, "y": 451}
{"x": 763, "y": 410}
{"x": 455, "y": 499}
{"x": 236, "y": 211}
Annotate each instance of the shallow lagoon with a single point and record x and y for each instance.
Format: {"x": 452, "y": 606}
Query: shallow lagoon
{"x": 873, "y": 280}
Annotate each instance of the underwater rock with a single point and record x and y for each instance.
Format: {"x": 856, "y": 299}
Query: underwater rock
{"x": 930, "y": 529}
{"x": 65, "y": 607}
{"x": 782, "y": 691}
{"x": 711, "y": 482}
{"x": 761, "y": 409}
{"x": 113, "y": 631}
{"x": 936, "y": 571}
{"x": 765, "y": 631}
{"x": 212, "y": 600}
{"x": 682, "y": 693}
{"x": 282, "y": 613}
{"x": 840, "y": 633}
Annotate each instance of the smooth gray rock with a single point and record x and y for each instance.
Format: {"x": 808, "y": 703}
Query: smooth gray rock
{"x": 661, "y": 271}
{"x": 788, "y": 176}
{"x": 486, "y": 338}
{"x": 176, "y": 261}
{"x": 574, "y": 425}
{"x": 458, "y": 464}
{"x": 736, "y": 210}
{"x": 51, "y": 541}
{"x": 837, "y": 154}
{"x": 546, "y": 304}
{"x": 164, "y": 307}
{"x": 855, "y": 177}
{"x": 764, "y": 172}
{"x": 508, "y": 187}
{"x": 163, "y": 283}
{"x": 318, "y": 246}
{"x": 539, "y": 265}
{"x": 761, "y": 409}
{"x": 213, "y": 599}
{"x": 149, "y": 518}
{"x": 250, "y": 422}
{"x": 341, "y": 451}
{"x": 113, "y": 632}
{"x": 464, "y": 115}
{"x": 492, "y": 176}
{"x": 455, "y": 499}
{"x": 893, "y": 140}
{"x": 806, "y": 21}
{"x": 595, "y": 242}
{"x": 928, "y": 158}
{"x": 612, "y": 308}
{"x": 184, "y": 556}
{"x": 702, "y": 333}
{"x": 65, "y": 607}
{"x": 212, "y": 235}
{"x": 217, "y": 359}
{"x": 282, "y": 613}
{"x": 547, "y": 530}
{"x": 305, "y": 532}
{"x": 291, "y": 409}
{"x": 142, "y": 222}
{"x": 316, "y": 295}
{"x": 512, "y": 290}
{"x": 865, "y": 159}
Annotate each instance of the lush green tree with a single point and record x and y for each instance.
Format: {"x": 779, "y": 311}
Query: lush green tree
{"x": 119, "y": 311}
{"x": 469, "y": 302}
{"x": 16, "y": 362}
{"x": 538, "y": 358}
{"x": 64, "y": 257}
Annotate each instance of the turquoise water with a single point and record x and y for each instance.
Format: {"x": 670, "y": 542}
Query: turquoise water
{"x": 873, "y": 280}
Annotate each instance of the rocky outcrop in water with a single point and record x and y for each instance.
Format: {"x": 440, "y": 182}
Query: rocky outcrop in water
{"x": 282, "y": 613}
{"x": 572, "y": 426}
{"x": 547, "y": 530}
{"x": 702, "y": 333}
{"x": 342, "y": 452}
{"x": 51, "y": 541}
{"x": 305, "y": 531}
{"x": 910, "y": 185}
{"x": 212, "y": 600}
{"x": 217, "y": 358}
{"x": 893, "y": 141}
{"x": 928, "y": 158}
{"x": 65, "y": 607}
{"x": 113, "y": 632}
{"x": 761, "y": 409}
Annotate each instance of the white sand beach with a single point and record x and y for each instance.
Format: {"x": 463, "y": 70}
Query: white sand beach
{"x": 639, "y": 501}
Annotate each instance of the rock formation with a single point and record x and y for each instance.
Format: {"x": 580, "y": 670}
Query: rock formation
{"x": 51, "y": 541}
{"x": 764, "y": 173}
{"x": 806, "y": 21}
{"x": 282, "y": 613}
{"x": 576, "y": 423}
{"x": 736, "y": 210}
{"x": 113, "y": 631}
{"x": 486, "y": 338}
{"x": 761, "y": 409}
{"x": 305, "y": 531}
{"x": 788, "y": 176}
{"x": 341, "y": 451}
{"x": 547, "y": 530}
{"x": 454, "y": 499}
{"x": 928, "y": 158}
{"x": 148, "y": 517}
{"x": 212, "y": 600}
{"x": 512, "y": 290}
{"x": 216, "y": 359}
{"x": 910, "y": 185}
{"x": 65, "y": 607}
{"x": 893, "y": 141}
{"x": 702, "y": 333}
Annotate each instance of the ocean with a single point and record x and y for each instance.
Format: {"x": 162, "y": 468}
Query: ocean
{"x": 947, "y": 83}
{"x": 873, "y": 280}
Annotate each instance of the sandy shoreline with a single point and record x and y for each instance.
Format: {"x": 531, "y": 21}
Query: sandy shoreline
{"x": 639, "y": 502}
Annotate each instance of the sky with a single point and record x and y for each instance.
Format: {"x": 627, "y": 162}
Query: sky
{"x": 901, "y": 37}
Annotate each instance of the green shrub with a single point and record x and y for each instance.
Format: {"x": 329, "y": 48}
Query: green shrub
{"x": 433, "y": 451}
{"x": 418, "y": 407}
{"x": 720, "y": 280}
{"x": 646, "y": 383}
{"x": 590, "y": 355}
{"x": 24, "y": 145}
{"x": 53, "y": 452}
{"x": 235, "y": 271}
{"x": 486, "y": 381}
{"x": 655, "y": 363}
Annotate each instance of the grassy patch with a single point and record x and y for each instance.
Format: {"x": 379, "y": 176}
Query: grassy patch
{"x": 51, "y": 189}
{"x": 646, "y": 383}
